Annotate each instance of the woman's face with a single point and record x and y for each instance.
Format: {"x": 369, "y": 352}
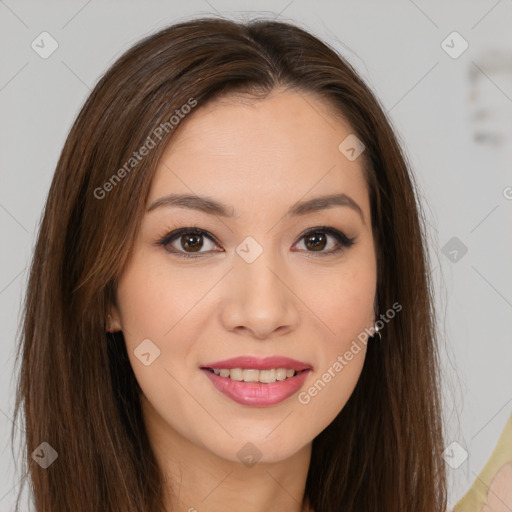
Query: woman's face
{"x": 256, "y": 284}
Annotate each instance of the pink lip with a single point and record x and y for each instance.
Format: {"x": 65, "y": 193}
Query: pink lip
{"x": 256, "y": 394}
{"x": 258, "y": 363}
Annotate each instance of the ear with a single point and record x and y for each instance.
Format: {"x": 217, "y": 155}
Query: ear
{"x": 371, "y": 322}
{"x": 371, "y": 326}
{"x": 373, "y": 316}
{"x": 113, "y": 322}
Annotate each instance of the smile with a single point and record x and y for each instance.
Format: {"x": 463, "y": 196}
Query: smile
{"x": 257, "y": 381}
{"x": 256, "y": 393}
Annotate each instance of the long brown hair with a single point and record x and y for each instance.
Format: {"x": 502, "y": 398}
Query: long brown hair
{"x": 76, "y": 387}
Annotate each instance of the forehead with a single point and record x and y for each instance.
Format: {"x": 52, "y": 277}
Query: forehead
{"x": 275, "y": 151}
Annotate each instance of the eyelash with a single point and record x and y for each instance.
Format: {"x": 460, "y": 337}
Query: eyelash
{"x": 343, "y": 240}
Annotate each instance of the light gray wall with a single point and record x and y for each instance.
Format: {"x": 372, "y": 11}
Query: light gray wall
{"x": 452, "y": 114}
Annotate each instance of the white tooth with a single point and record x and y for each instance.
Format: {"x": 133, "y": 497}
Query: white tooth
{"x": 254, "y": 375}
{"x": 236, "y": 374}
{"x": 281, "y": 373}
{"x": 251, "y": 375}
{"x": 267, "y": 376}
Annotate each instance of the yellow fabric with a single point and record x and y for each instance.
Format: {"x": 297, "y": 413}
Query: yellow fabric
{"x": 492, "y": 490}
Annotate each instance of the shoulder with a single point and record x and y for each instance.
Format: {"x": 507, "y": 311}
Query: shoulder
{"x": 492, "y": 490}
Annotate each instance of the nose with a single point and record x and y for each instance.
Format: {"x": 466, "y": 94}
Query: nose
{"x": 259, "y": 299}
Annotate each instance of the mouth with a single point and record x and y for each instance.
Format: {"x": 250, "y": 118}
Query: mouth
{"x": 257, "y": 388}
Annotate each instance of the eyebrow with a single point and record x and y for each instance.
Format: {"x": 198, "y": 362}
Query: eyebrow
{"x": 213, "y": 207}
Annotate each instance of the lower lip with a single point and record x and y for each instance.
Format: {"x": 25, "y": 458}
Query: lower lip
{"x": 256, "y": 394}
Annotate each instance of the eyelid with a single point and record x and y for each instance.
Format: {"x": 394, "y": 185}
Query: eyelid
{"x": 344, "y": 241}
{"x": 336, "y": 233}
{"x": 167, "y": 238}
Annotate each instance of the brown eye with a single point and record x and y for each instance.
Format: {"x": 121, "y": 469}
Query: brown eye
{"x": 316, "y": 241}
{"x": 187, "y": 242}
{"x": 193, "y": 242}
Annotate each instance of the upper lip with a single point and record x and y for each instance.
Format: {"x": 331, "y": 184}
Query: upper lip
{"x": 259, "y": 363}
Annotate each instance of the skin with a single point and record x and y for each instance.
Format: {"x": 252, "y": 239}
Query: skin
{"x": 258, "y": 158}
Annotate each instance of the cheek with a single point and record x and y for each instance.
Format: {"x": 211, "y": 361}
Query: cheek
{"x": 327, "y": 394}
{"x": 340, "y": 355}
{"x": 157, "y": 305}
{"x": 155, "y": 299}
{"x": 343, "y": 299}
{"x": 161, "y": 304}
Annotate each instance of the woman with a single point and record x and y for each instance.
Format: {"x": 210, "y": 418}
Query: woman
{"x": 229, "y": 301}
